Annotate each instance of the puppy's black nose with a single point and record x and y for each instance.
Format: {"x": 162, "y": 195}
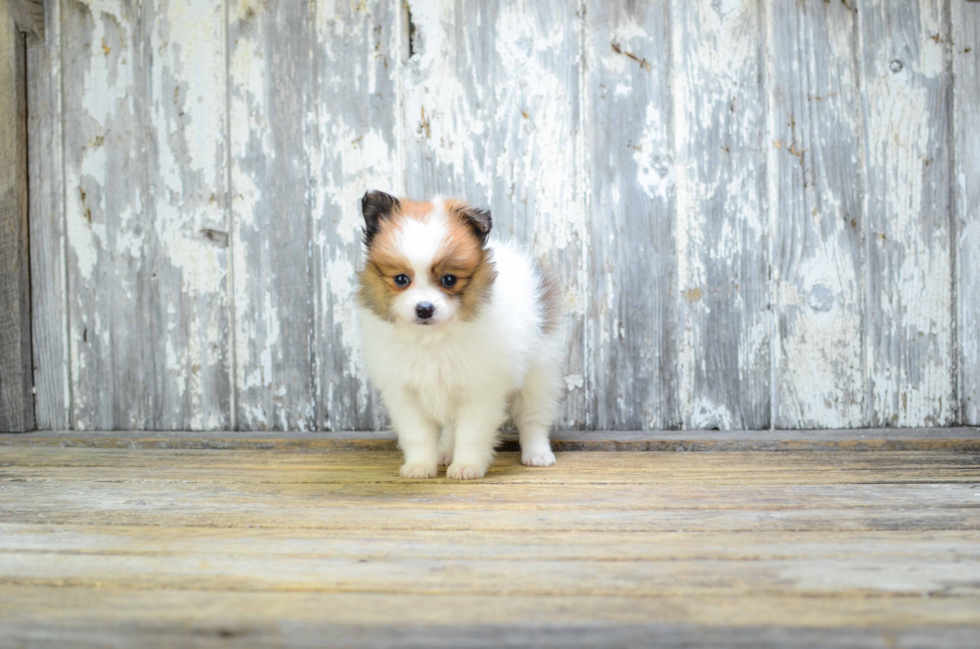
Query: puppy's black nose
{"x": 424, "y": 310}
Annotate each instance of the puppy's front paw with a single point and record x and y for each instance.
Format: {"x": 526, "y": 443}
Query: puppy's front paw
{"x": 538, "y": 458}
{"x": 460, "y": 471}
{"x": 418, "y": 470}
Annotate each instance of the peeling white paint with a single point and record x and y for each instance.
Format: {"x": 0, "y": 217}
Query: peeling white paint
{"x": 436, "y": 110}
{"x": 574, "y": 382}
{"x": 727, "y": 7}
{"x": 196, "y": 36}
{"x": 108, "y": 75}
{"x": 341, "y": 281}
{"x": 365, "y": 162}
{"x": 655, "y": 169}
{"x": 83, "y": 238}
{"x": 203, "y": 273}
{"x": 717, "y": 188}
{"x": 706, "y": 415}
{"x": 911, "y": 267}
{"x": 545, "y": 140}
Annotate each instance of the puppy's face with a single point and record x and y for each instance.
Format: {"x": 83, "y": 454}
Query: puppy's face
{"x": 427, "y": 263}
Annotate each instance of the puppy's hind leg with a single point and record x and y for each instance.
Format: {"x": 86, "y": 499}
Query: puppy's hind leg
{"x": 534, "y": 409}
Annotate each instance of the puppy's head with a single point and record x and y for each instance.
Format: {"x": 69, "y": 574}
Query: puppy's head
{"x": 427, "y": 262}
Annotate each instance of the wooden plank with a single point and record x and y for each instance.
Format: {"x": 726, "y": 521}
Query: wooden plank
{"x": 305, "y": 487}
{"x": 540, "y": 577}
{"x": 16, "y": 380}
{"x": 270, "y": 97}
{"x": 909, "y": 326}
{"x": 187, "y": 236}
{"x": 49, "y": 294}
{"x": 29, "y": 17}
{"x": 354, "y": 148}
{"x": 602, "y": 545}
{"x": 889, "y": 439}
{"x": 229, "y": 489}
{"x": 965, "y": 46}
{"x": 96, "y": 617}
{"x": 581, "y": 464}
{"x": 629, "y": 161}
{"x": 330, "y": 520}
{"x": 719, "y": 120}
{"x": 815, "y": 130}
{"x": 105, "y": 213}
{"x": 491, "y": 114}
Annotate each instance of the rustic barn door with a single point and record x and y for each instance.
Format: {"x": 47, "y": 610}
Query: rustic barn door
{"x": 763, "y": 213}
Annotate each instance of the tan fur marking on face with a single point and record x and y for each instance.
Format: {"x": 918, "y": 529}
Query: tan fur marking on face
{"x": 464, "y": 256}
{"x": 385, "y": 244}
{"x": 374, "y": 293}
{"x": 377, "y": 290}
{"x": 477, "y": 290}
{"x": 417, "y": 210}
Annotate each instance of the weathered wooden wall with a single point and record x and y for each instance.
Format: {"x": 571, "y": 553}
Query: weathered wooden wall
{"x": 764, "y": 213}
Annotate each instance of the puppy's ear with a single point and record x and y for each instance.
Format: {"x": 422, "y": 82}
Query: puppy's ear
{"x": 479, "y": 221}
{"x": 375, "y": 206}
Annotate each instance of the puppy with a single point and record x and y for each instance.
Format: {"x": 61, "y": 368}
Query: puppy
{"x": 457, "y": 333}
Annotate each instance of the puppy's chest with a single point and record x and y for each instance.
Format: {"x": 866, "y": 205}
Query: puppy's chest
{"x": 438, "y": 378}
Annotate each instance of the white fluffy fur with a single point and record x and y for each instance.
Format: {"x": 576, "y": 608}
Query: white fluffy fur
{"x": 461, "y": 379}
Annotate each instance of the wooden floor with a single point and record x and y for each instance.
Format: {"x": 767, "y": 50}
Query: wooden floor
{"x": 125, "y": 543}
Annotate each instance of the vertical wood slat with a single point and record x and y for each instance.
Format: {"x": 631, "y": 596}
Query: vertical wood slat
{"x": 49, "y": 307}
{"x": 814, "y": 151}
{"x": 187, "y": 235}
{"x": 353, "y": 147}
{"x": 270, "y": 94}
{"x": 965, "y": 46}
{"x": 722, "y": 232}
{"x": 491, "y": 101}
{"x": 629, "y": 152}
{"x": 909, "y": 327}
{"x": 16, "y": 380}
{"x": 103, "y": 57}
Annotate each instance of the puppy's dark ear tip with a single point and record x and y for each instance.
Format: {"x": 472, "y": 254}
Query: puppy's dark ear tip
{"x": 488, "y": 220}
{"x": 376, "y": 205}
{"x": 374, "y": 196}
{"x": 480, "y": 221}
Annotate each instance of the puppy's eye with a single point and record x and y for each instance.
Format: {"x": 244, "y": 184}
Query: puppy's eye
{"x": 402, "y": 280}
{"x": 449, "y": 281}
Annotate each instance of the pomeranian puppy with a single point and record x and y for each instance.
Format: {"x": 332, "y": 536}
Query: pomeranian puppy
{"x": 457, "y": 332}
